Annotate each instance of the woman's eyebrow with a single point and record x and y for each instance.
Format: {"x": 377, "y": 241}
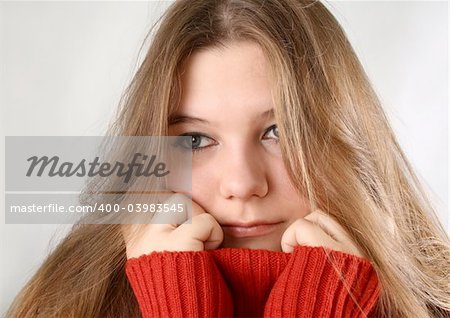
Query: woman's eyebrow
{"x": 182, "y": 118}
{"x": 268, "y": 114}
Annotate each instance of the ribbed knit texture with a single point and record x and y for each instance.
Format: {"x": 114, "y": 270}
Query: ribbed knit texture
{"x": 240, "y": 282}
{"x": 179, "y": 284}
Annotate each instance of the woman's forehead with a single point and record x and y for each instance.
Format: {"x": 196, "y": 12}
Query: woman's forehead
{"x": 231, "y": 79}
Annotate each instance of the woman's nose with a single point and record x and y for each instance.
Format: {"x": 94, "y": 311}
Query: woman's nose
{"x": 242, "y": 175}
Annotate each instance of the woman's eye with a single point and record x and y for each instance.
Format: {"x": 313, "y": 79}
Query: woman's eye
{"x": 196, "y": 141}
{"x": 272, "y": 132}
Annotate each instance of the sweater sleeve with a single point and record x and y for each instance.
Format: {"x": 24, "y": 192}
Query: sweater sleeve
{"x": 311, "y": 286}
{"x": 179, "y": 284}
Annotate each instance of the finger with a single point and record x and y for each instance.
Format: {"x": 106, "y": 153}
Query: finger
{"x": 133, "y": 234}
{"x": 173, "y": 218}
{"x": 160, "y": 221}
{"x": 288, "y": 239}
{"x": 304, "y": 232}
{"x": 332, "y": 227}
{"x": 153, "y": 221}
{"x": 203, "y": 228}
{"x": 194, "y": 210}
{"x": 329, "y": 225}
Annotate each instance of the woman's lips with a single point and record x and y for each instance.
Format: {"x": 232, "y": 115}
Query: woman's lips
{"x": 249, "y": 230}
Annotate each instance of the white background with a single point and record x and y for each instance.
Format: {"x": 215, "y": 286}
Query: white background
{"x": 64, "y": 65}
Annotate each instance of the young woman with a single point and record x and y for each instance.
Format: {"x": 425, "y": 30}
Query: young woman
{"x": 303, "y": 202}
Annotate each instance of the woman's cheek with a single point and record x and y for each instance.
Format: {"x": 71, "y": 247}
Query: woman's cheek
{"x": 203, "y": 186}
{"x": 285, "y": 190}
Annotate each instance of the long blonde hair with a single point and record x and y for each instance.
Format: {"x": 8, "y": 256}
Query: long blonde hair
{"x": 336, "y": 142}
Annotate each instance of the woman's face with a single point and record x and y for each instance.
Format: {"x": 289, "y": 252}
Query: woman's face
{"x": 238, "y": 175}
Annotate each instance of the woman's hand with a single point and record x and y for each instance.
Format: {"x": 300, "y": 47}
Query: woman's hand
{"x": 202, "y": 233}
{"x": 318, "y": 229}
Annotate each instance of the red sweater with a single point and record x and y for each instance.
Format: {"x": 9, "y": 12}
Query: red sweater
{"x": 241, "y": 282}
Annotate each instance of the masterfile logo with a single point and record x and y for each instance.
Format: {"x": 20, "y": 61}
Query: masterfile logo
{"x": 113, "y": 179}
